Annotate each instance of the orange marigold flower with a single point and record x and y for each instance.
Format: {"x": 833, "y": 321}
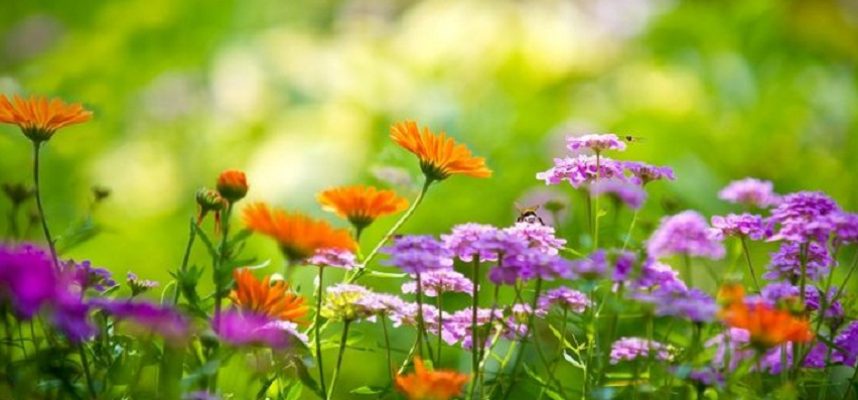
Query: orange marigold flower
{"x": 731, "y": 293}
{"x": 299, "y": 236}
{"x": 430, "y": 385}
{"x": 440, "y": 156}
{"x": 232, "y": 185}
{"x": 263, "y": 298}
{"x": 767, "y": 326}
{"x": 39, "y": 118}
{"x": 361, "y": 204}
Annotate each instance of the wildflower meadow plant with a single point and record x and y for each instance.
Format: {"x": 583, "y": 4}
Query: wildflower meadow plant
{"x": 476, "y": 312}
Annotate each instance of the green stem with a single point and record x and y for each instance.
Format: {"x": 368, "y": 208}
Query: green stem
{"x": 475, "y": 302}
{"x": 631, "y": 228}
{"x": 440, "y": 324}
{"x": 748, "y": 259}
{"x": 420, "y": 324}
{"x": 530, "y": 332}
{"x": 38, "y": 194}
{"x": 340, "y": 354}
{"x": 687, "y": 260}
{"x": 87, "y": 375}
{"x": 316, "y": 326}
{"x": 596, "y": 204}
{"x": 846, "y": 279}
{"x": 383, "y": 321}
{"x": 192, "y": 235}
{"x": 222, "y": 258}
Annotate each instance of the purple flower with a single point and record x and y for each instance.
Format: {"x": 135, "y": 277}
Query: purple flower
{"x": 70, "y": 313}
{"x": 440, "y": 281}
{"x": 803, "y": 217}
{"x": 779, "y": 292}
{"x": 240, "y": 329}
{"x": 530, "y": 264}
{"x": 149, "y": 318}
{"x": 632, "y": 348}
{"x": 847, "y": 340}
{"x": 732, "y": 346}
{"x": 786, "y": 262}
{"x": 200, "y": 395}
{"x": 139, "y": 286}
{"x": 690, "y": 304}
{"x": 27, "y": 278}
{"x": 750, "y": 192}
{"x": 565, "y": 298}
{"x": 643, "y": 173}
{"x": 624, "y": 265}
{"x": 845, "y": 227}
{"x": 596, "y": 143}
{"x": 594, "y": 266}
{"x": 338, "y": 258}
{"x": 684, "y": 233}
{"x": 418, "y": 254}
{"x": 536, "y": 236}
{"x": 581, "y": 170}
{"x": 655, "y": 274}
{"x": 382, "y": 304}
{"x": 516, "y": 323}
{"x": 457, "y": 326}
{"x": 471, "y": 239}
{"x": 630, "y": 194}
{"x": 88, "y": 277}
{"x": 706, "y": 376}
{"x": 749, "y": 225}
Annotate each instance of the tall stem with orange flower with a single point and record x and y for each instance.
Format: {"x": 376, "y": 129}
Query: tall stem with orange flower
{"x": 38, "y": 193}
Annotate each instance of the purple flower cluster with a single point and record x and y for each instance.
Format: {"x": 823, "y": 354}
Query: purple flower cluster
{"x": 337, "y": 258}
{"x": 684, "y": 233}
{"x": 779, "y": 292}
{"x": 747, "y": 225}
{"x": 786, "y": 262}
{"x": 530, "y": 264}
{"x": 692, "y": 304}
{"x": 88, "y": 277}
{"x": 440, "y": 281}
{"x": 418, "y": 254}
{"x": 845, "y": 227}
{"x": 750, "y": 192}
{"x": 596, "y": 143}
{"x": 581, "y": 170}
{"x": 643, "y": 173}
{"x": 632, "y": 348}
{"x": 624, "y": 265}
{"x": 564, "y": 298}
{"x": 804, "y": 217}
{"x": 382, "y": 304}
{"x": 730, "y": 346}
{"x": 466, "y": 241}
{"x": 658, "y": 275}
{"x": 244, "y": 329}
{"x": 595, "y": 266}
{"x": 148, "y": 318}
{"x": 534, "y": 236}
{"x": 633, "y": 196}
{"x": 27, "y": 278}
{"x": 137, "y": 285}
{"x": 457, "y": 326}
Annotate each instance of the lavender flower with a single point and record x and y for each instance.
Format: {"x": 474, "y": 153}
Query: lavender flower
{"x": 200, "y": 395}
{"x": 786, "y": 262}
{"x": 240, "y": 329}
{"x": 691, "y": 304}
{"x": 536, "y": 236}
{"x": 629, "y": 194}
{"x": 407, "y": 315}
{"x": 382, "y": 304}
{"x": 148, "y": 317}
{"x": 565, "y": 298}
{"x": 655, "y": 274}
{"x": 530, "y": 264}
{"x": 624, "y": 265}
{"x": 457, "y": 326}
{"x": 581, "y": 170}
{"x": 338, "y": 258}
{"x": 684, "y": 233}
{"x": 750, "y": 192}
{"x": 27, "y": 278}
{"x": 847, "y": 340}
{"x": 803, "y": 217}
{"x": 469, "y": 240}
{"x": 748, "y": 225}
{"x": 845, "y": 227}
{"x": 596, "y": 143}
{"x": 632, "y": 348}
{"x": 418, "y": 254}
{"x": 706, "y": 377}
{"x": 643, "y": 173}
{"x": 137, "y": 285}
{"x": 440, "y": 281}
{"x": 593, "y": 267}
{"x": 732, "y": 346}
{"x": 89, "y": 277}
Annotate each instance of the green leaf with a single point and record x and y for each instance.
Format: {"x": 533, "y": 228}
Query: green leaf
{"x": 575, "y": 363}
{"x": 294, "y": 392}
{"x": 386, "y": 275}
{"x": 368, "y": 390}
{"x": 207, "y": 241}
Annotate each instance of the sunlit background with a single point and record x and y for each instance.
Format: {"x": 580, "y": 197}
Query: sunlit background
{"x": 300, "y": 95}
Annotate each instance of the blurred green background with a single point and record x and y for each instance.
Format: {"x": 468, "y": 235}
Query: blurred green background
{"x": 300, "y": 95}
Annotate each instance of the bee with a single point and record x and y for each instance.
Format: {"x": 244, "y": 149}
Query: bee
{"x": 632, "y": 139}
{"x": 529, "y": 215}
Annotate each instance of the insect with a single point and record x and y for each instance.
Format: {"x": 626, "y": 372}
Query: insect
{"x": 632, "y": 139}
{"x": 529, "y": 215}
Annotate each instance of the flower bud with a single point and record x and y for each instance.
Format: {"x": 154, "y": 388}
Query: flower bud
{"x": 210, "y": 201}
{"x": 232, "y": 185}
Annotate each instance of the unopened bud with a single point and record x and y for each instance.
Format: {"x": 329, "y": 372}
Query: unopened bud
{"x": 232, "y": 185}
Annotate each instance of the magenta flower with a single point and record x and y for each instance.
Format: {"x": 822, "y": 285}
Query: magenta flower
{"x": 748, "y": 225}
{"x": 530, "y": 264}
{"x": 643, "y": 173}
{"x": 596, "y": 143}
{"x": 466, "y": 241}
{"x": 88, "y": 277}
{"x": 632, "y": 348}
{"x": 845, "y": 227}
{"x": 239, "y": 329}
{"x": 684, "y": 233}
{"x": 440, "y": 281}
{"x": 692, "y": 304}
{"x": 148, "y": 318}
{"x": 27, "y": 278}
{"x": 337, "y": 258}
{"x": 750, "y": 192}
{"x": 564, "y": 298}
{"x": 633, "y": 196}
{"x": 581, "y": 170}
{"x": 804, "y": 216}
{"x": 418, "y": 254}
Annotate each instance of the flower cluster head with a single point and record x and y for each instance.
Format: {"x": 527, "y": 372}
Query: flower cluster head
{"x": 384, "y": 304}
{"x": 845, "y": 227}
{"x": 88, "y": 277}
{"x": 424, "y": 384}
{"x": 563, "y": 298}
{"x": 786, "y": 263}
{"x": 623, "y": 265}
{"x": 592, "y": 267}
{"x": 240, "y": 329}
{"x": 39, "y": 118}
{"x": 27, "y": 278}
{"x": 346, "y": 302}
{"x": 633, "y": 196}
{"x": 470, "y": 240}
{"x": 337, "y": 258}
{"x": 633, "y": 348}
{"x": 750, "y": 192}
{"x": 440, "y": 281}
{"x": 535, "y": 236}
{"x": 691, "y": 304}
{"x": 530, "y": 264}
{"x": 766, "y": 325}
{"x": 786, "y": 295}
{"x": 595, "y": 143}
{"x": 232, "y": 185}
{"x": 440, "y": 156}
{"x": 581, "y": 170}
{"x": 210, "y": 201}
{"x": 417, "y": 254}
{"x": 684, "y": 233}
{"x": 139, "y": 286}
{"x": 361, "y": 205}
{"x": 657, "y": 275}
{"x": 643, "y": 173}
{"x": 299, "y": 236}
{"x": 741, "y": 225}
{"x": 457, "y": 326}
{"x": 148, "y": 318}
{"x": 804, "y": 216}
{"x": 407, "y": 315}
{"x": 273, "y": 300}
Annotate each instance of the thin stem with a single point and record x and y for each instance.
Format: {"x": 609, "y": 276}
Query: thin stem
{"x": 420, "y": 323}
{"x": 192, "y": 235}
{"x": 846, "y": 279}
{"x": 687, "y": 260}
{"x": 340, "y": 354}
{"x": 85, "y": 364}
{"x": 530, "y": 329}
{"x": 222, "y": 258}
{"x": 383, "y": 321}
{"x": 316, "y": 326}
{"x": 38, "y": 194}
{"x": 748, "y": 259}
{"x": 631, "y": 228}
{"x": 475, "y": 278}
{"x": 596, "y": 204}
{"x": 440, "y": 324}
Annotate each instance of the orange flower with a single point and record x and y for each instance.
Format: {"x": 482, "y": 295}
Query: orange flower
{"x": 38, "y": 118}
{"x": 767, "y": 326}
{"x": 361, "y": 204}
{"x": 299, "y": 236}
{"x": 731, "y": 293}
{"x": 263, "y": 298}
{"x": 232, "y": 185}
{"x": 439, "y": 155}
{"x": 430, "y": 385}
